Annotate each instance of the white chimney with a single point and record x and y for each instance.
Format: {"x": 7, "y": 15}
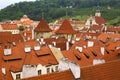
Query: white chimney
{"x": 102, "y": 50}
{"x": 7, "y": 50}
{"x": 77, "y": 39}
{"x": 42, "y": 39}
{"x": 98, "y": 61}
{"x": 4, "y": 71}
{"x": 90, "y": 44}
{"x": 79, "y": 48}
{"x": 37, "y": 47}
{"x": 67, "y": 45}
{"x": 27, "y": 48}
{"x": 32, "y": 33}
{"x": 54, "y": 43}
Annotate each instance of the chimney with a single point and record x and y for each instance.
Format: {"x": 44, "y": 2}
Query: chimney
{"x": 32, "y": 33}
{"x": 42, "y": 39}
{"x": 37, "y": 47}
{"x": 90, "y": 43}
{"x": 27, "y": 48}
{"x": 102, "y": 50}
{"x": 54, "y": 43}
{"x": 79, "y": 48}
{"x": 67, "y": 45}
{"x": 7, "y": 50}
{"x": 4, "y": 71}
{"x": 98, "y": 61}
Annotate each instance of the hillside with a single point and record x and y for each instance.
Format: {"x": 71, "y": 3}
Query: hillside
{"x": 54, "y": 9}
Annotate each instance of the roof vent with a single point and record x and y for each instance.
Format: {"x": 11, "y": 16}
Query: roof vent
{"x": 77, "y": 39}
{"x": 79, "y": 49}
{"x": 90, "y": 43}
{"x": 13, "y": 43}
{"x": 99, "y": 61}
{"x": 27, "y": 48}
{"x": 87, "y": 37}
{"x": 7, "y": 50}
{"x": 3, "y": 71}
{"x": 37, "y": 47}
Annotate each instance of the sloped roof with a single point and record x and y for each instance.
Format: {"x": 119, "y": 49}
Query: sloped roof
{"x": 19, "y": 57}
{"x": 8, "y": 37}
{"x": 96, "y": 27}
{"x": 66, "y": 28}
{"x": 100, "y": 20}
{"x": 106, "y": 71}
{"x": 7, "y": 26}
{"x": 63, "y": 75}
{"x": 42, "y": 27}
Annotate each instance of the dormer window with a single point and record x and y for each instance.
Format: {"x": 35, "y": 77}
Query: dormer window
{"x": 17, "y": 76}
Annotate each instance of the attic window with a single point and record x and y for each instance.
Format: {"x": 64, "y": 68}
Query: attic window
{"x": 94, "y": 54}
{"x": 78, "y": 57}
{"x": 86, "y": 56}
{"x": 17, "y": 76}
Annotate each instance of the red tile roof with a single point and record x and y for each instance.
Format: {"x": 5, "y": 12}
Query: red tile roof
{"x": 100, "y": 20}
{"x": 6, "y": 37}
{"x": 66, "y": 28}
{"x": 19, "y": 57}
{"x": 9, "y": 26}
{"x": 63, "y": 75}
{"x": 96, "y": 27}
{"x": 106, "y": 71}
{"x": 42, "y": 27}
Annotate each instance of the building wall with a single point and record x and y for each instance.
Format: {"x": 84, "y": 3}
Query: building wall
{"x": 42, "y": 34}
{"x": 43, "y": 69}
{"x": 90, "y": 21}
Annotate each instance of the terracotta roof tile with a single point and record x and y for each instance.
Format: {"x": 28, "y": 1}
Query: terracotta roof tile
{"x": 9, "y": 26}
{"x": 42, "y": 27}
{"x": 66, "y": 28}
{"x": 100, "y": 20}
{"x": 96, "y": 27}
{"x": 6, "y": 37}
{"x": 106, "y": 71}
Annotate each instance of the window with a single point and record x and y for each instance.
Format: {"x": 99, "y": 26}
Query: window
{"x": 17, "y": 76}
{"x": 56, "y": 68}
{"x": 39, "y": 72}
{"x": 48, "y": 70}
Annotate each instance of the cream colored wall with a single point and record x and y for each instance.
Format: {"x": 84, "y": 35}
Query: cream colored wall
{"x": 87, "y": 24}
{"x": 39, "y": 67}
{"x": 44, "y": 35}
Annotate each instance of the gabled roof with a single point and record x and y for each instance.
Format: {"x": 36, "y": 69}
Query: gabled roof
{"x": 7, "y": 26}
{"x": 106, "y": 71}
{"x": 96, "y": 27}
{"x": 100, "y": 20}
{"x": 63, "y": 75}
{"x": 8, "y": 37}
{"x": 42, "y": 27}
{"x": 66, "y": 28}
